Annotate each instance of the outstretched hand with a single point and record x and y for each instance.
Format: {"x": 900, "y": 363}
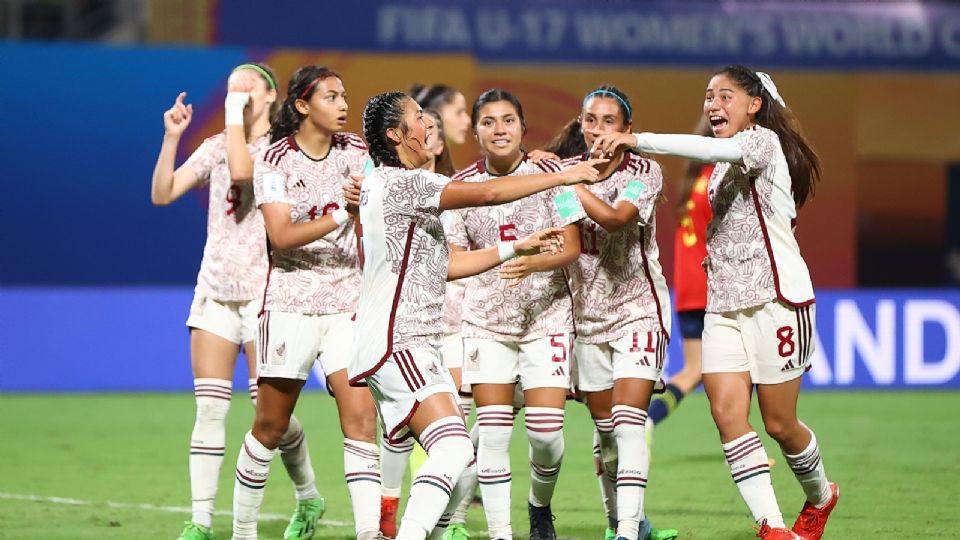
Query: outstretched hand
{"x": 177, "y": 118}
{"x": 607, "y": 144}
{"x": 585, "y": 171}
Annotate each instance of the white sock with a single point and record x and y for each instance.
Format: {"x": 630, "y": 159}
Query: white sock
{"x": 468, "y": 482}
{"x": 605, "y": 459}
{"x": 632, "y": 469}
{"x": 207, "y": 444}
{"x": 466, "y": 407}
{"x": 296, "y": 459}
{"x": 808, "y": 468}
{"x": 254, "y": 388}
{"x": 253, "y": 465}
{"x": 493, "y": 466}
{"x": 394, "y": 460}
{"x": 361, "y": 468}
{"x": 750, "y": 469}
{"x": 449, "y": 453}
{"x": 545, "y": 434}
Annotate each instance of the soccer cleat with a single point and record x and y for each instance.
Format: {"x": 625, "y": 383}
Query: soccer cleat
{"x": 456, "y": 531}
{"x": 304, "y": 521}
{"x": 610, "y": 534}
{"x": 388, "y": 516}
{"x": 780, "y": 533}
{"x": 195, "y": 531}
{"x": 541, "y": 523}
{"x": 812, "y": 520}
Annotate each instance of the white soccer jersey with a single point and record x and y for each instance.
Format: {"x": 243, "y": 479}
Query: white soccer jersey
{"x": 323, "y": 276}
{"x": 405, "y": 261}
{"x": 618, "y": 282}
{"x": 753, "y": 255}
{"x": 541, "y": 304}
{"x": 234, "y": 265}
{"x": 453, "y": 298}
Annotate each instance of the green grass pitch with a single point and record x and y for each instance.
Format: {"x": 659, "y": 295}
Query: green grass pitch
{"x": 114, "y": 466}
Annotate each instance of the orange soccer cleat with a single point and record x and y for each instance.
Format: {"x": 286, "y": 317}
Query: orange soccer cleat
{"x": 388, "y": 516}
{"x": 812, "y": 520}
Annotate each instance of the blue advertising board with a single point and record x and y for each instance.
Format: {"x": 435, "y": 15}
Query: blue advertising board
{"x": 134, "y": 339}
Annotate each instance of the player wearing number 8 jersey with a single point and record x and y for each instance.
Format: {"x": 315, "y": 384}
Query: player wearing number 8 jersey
{"x": 760, "y": 318}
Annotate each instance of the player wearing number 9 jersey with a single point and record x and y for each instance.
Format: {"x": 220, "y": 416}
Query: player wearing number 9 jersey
{"x": 223, "y": 315}
{"x": 518, "y": 322}
{"x": 760, "y": 305}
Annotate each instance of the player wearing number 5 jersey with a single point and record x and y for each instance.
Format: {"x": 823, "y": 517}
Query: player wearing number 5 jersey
{"x": 518, "y": 322}
{"x": 223, "y": 316}
{"x": 406, "y": 264}
{"x": 622, "y": 306}
{"x": 760, "y": 306}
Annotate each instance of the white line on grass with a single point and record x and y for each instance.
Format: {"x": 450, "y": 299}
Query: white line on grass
{"x": 147, "y": 506}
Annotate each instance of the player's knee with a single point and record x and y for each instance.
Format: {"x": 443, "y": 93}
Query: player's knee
{"x": 359, "y": 425}
{"x": 456, "y": 451}
{"x": 494, "y": 437}
{"x": 270, "y": 430}
{"x": 781, "y": 430}
{"x": 212, "y": 410}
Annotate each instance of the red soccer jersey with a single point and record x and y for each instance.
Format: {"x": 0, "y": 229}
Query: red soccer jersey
{"x": 690, "y": 247}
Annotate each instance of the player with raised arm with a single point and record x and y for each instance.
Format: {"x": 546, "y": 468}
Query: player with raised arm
{"x": 759, "y": 325}
{"x": 223, "y": 316}
{"x": 311, "y": 294}
{"x": 406, "y": 265}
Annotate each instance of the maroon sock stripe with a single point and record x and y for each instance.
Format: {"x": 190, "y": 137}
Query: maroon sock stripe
{"x": 750, "y": 472}
{"x": 252, "y": 483}
{"x": 743, "y": 450}
{"x": 366, "y": 476}
{"x": 499, "y": 478}
{"x": 604, "y": 425}
{"x": 630, "y": 418}
{"x": 359, "y": 451}
{"x": 435, "y": 481}
{"x": 399, "y": 448}
{"x": 443, "y": 432}
{"x": 255, "y": 459}
{"x": 544, "y": 429}
{"x": 544, "y": 471}
{"x": 631, "y": 481}
{"x": 742, "y": 444}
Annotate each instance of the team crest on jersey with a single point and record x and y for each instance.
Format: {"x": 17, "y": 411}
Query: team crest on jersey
{"x": 280, "y": 353}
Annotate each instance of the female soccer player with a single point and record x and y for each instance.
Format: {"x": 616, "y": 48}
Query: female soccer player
{"x": 232, "y": 275}
{"x": 689, "y": 282}
{"x": 519, "y": 331}
{"x": 622, "y": 304}
{"x": 310, "y": 297}
{"x": 758, "y": 329}
{"x": 406, "y": 264}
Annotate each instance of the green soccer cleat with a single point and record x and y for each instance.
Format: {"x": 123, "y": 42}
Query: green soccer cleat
{"x": 456, "y": 531}
{"x": 610, "y": 534}
{"x": 194, "y": 531}
{"x": 663, "y": 534}
{"x": 304, "y": 521}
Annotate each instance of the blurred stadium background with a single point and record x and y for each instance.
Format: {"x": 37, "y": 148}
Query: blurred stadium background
{"x": 95, "y": 282}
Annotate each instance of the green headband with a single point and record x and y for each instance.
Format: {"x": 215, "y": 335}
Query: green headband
{"x": 261, "y": 71}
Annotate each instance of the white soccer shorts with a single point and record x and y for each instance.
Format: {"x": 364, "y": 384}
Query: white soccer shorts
{"x": 539, "y": 363}
{"x": 288, "y": 344}
{"x": 233, "y": 321}
{"x": 636, "y": 355}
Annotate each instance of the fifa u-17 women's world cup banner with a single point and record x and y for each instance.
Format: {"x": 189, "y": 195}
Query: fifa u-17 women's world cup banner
{"x": 869, "y": 35}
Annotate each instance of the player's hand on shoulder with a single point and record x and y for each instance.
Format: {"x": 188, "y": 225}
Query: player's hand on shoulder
{"x": 537, "y": 156}
{"x": 177, "y": 118}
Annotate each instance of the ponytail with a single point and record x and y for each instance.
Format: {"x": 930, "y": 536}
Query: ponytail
{"x": 569, "y": 142}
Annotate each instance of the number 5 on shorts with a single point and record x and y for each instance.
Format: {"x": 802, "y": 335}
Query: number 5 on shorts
{"x": 556, "y": 341}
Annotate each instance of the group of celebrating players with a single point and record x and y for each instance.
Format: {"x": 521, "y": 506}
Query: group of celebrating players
{"x": 329, "y": 249}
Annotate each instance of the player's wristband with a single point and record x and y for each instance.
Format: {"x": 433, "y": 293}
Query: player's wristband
{"x": 506, "y": 251}
{"x": 233, "y": 107}
{"x": 340, "y": 216}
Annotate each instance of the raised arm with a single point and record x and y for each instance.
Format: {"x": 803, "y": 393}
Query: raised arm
{"x": 168, "y": 184}
{"x": 239, "y": 160}
{"x": 695, "y": 147}
{"x": 510, "y": 188}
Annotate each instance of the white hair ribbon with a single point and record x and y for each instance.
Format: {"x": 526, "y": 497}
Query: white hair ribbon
{"x": 771, "y": 88}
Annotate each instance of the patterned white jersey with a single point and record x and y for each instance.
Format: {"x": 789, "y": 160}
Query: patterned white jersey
{"x": 752, "y": 252}
{"x": 234, "y": 265}
{"x": 405, "y": 261}
{"x": 618, "y": 282}
{"x": 323, "y": 276}
{"x": 453, "y": 299}
{"x": 541, "y": 304}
